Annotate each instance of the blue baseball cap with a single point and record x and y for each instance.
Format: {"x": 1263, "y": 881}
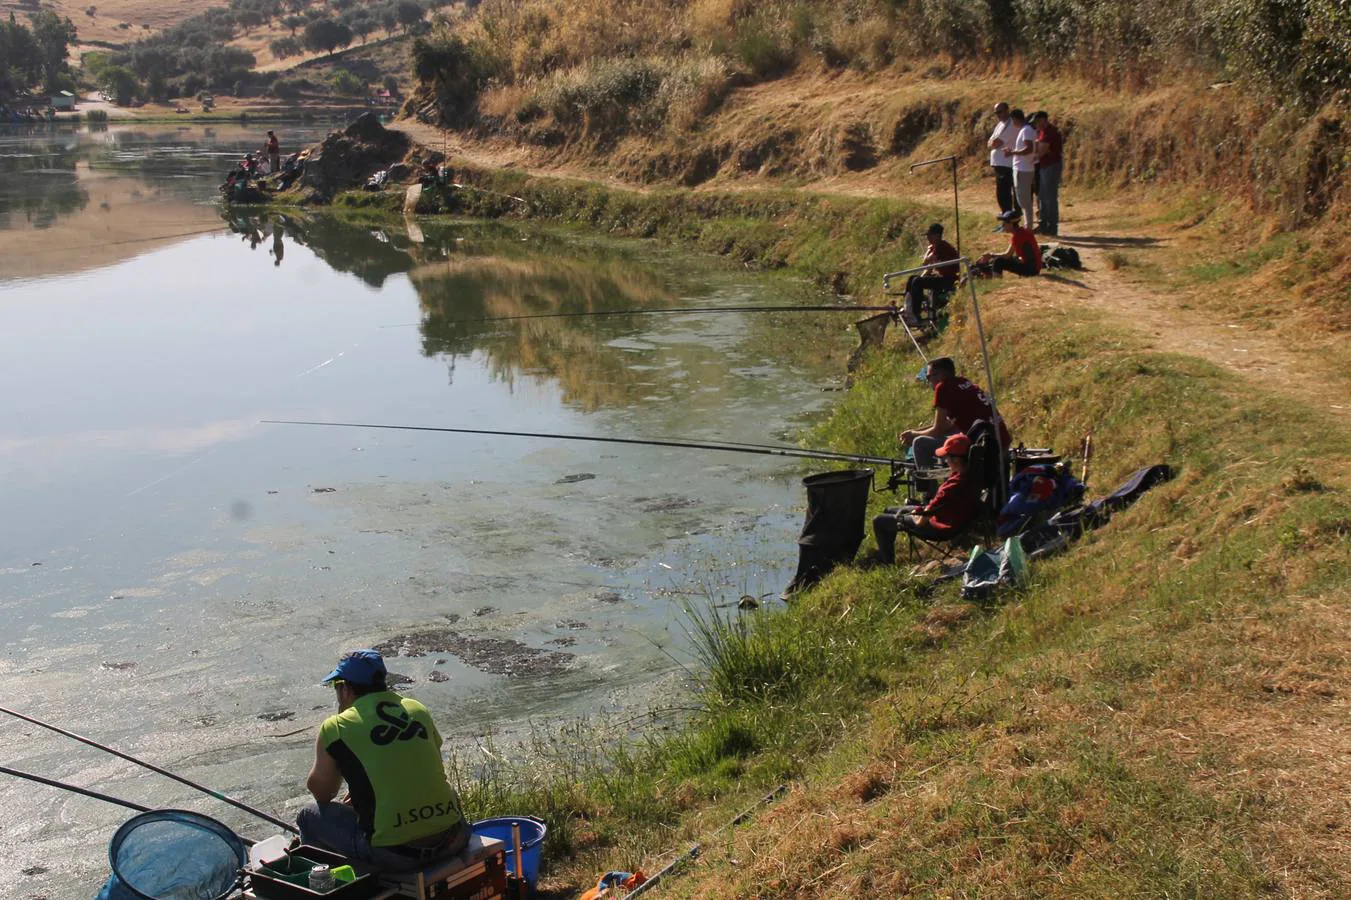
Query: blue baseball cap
{"x": 360, "y": 667}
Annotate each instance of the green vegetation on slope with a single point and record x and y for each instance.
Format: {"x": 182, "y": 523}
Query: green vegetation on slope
{"x": 1114, "y": 728}
{"x": 1070, "y": 738}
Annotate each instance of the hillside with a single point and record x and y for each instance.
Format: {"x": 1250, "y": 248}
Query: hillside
{"x": 1160, "y": 711}
{"x": 141, "y": 17}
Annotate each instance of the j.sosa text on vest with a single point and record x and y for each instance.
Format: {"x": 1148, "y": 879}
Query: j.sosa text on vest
{"x": 426, "y": 811}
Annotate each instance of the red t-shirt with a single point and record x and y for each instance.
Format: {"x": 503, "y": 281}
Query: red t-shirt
{"x": 1025, "y": 245}
{"x": 955, "y": 504}
{"x": 1050, "y": 135}
{"x": 940, "y": 251}
{"x": 965, "y": 404}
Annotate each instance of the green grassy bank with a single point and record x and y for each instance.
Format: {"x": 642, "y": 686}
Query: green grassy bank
{"x": 1149, "y": 715}
{"x": 844, "y": 244}
{"x": 1035, "y": 745}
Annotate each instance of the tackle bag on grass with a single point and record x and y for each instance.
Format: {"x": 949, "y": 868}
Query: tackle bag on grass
{"x": 989, "y": 570}
{"x": 1034, "y": 493}
{"x": 1061, "y": 257}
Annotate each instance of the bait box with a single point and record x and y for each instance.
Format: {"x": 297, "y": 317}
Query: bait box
{"x": 286, "y": 877}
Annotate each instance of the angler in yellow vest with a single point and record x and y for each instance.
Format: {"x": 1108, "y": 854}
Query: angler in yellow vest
{"x": 400, "y": 813}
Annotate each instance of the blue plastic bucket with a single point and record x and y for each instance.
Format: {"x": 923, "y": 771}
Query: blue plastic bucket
{"x": 532, "y": 842}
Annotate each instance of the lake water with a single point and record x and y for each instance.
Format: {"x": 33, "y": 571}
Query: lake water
{"x": 176, "y": 577}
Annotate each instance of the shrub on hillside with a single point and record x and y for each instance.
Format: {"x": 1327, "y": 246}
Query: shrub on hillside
{"x": 454, "y": 69}
{"x": 289, "y": 88}
{"x": 347, "y": 84}
{"x": 761, "y": 48}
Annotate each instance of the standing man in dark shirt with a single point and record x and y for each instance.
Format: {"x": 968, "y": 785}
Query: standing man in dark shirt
{"x": 943, "y": 517}
{"x": 958, "y": 404}
{"x": 273, "y": 153}
{"x": 1049, "y": 160}
{"x": 943, "y": 278}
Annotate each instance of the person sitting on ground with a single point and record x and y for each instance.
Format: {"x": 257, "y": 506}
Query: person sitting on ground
{"x": 1023, "y": 255}
{"x": 958, "y": 404}
{"x": 401, "y": 813}
{"x": 943, "y": 278}
{"x": 942, "y": 518}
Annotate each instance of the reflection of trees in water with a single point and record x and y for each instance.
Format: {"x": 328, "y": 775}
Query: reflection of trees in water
{"x": 481, "y": 272}
{"x": 371, "y": 254}
{"x": 38, "y": 183}
{"x": 572, "y": 351}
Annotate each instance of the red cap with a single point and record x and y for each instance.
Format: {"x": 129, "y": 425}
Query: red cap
{"x": 957, "y": 445}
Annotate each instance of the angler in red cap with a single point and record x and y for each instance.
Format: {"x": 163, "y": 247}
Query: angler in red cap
{"x": 943, "y": 517}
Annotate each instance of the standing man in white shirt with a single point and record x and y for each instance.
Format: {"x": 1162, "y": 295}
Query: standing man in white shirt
{"x": 1021, "y": 149}
{"x": 1000, "y": 139}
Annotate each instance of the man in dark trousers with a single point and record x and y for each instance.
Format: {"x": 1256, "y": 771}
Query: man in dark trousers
{"x": 943, "y": 517}
{"x": 943, "y": 278}
{"x": 401, "y": 813}
{"x": 1049, "y": 165}
{"x": 273, "y": 153}
{"x": 958, "y": 404}
{"x": 1001, "y": 139}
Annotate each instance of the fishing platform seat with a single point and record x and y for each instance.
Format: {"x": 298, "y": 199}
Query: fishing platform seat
{"x": 479, "y": 872}
{"x": 930, "y": 316}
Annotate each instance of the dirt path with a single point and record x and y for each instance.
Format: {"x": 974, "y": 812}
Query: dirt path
{"x": 1171, "y": 320}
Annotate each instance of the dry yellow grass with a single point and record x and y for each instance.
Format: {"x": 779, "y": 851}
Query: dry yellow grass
{"x": 145, "y": 17}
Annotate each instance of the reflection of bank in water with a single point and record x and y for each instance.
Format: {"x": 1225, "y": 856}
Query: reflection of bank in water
{"x": 581, "y": 357}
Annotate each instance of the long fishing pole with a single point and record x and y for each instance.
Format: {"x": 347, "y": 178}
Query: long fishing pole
{"x": 672, "y": 310}
{"x": 795, "y": 452}
{"x": 73, "y": 789}
{"x": 285, "y": 826}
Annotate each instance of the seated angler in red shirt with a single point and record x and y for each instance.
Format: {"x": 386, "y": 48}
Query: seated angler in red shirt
{"x": 958, "y": 404}
{"x": 942, "y": 278}
{"x": 942, "y": 518}
{"x": 1023, "y": 255}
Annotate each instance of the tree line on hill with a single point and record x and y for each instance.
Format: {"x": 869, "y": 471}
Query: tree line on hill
{"x": 35, "y": 53}
{"x": 195, "y": 55}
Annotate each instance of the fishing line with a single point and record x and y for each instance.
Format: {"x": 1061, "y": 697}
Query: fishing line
{"x": 918, "y": 349}
{"x": 285, "y": 826}
{"x": 675, "y": 310}
{"x": 726, "y": 446}
{"x": 28, "y": 776}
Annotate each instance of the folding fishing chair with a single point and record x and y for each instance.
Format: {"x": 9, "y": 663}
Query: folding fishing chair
{"x": 985, "y": 461}
{"x": 931, "y": 313}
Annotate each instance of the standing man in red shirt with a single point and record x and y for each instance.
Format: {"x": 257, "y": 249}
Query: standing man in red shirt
{"x": 943, "y": 278}
{"x": 943, "y": 517}
{"x": 1049, "y": 160}
{"x": 1023, "y": 255}
{"x": 958, "y": 404}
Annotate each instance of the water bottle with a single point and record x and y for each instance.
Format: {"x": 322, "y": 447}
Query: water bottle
{"x": 321, "y": 879}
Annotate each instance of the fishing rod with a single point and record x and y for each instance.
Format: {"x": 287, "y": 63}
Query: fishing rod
{"x": 285, "y": 826}
{"x": 73, "y": 789}
{"x": 760, "y": 450}
{"x": 674, "y": 310}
